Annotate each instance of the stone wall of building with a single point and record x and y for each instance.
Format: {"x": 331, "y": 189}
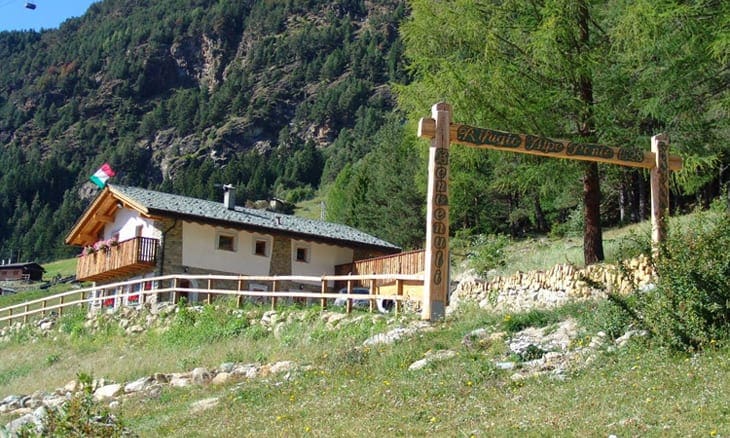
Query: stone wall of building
{"x": 554, "y": 287}
{"x": 281, "y": 259}
{"x": 169, "y": 260}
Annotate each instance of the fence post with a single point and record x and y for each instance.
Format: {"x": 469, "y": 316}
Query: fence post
{"x": 399, "y": 292}
{"x": 348, "y": 307}
{"x": 372, "y": 293}
{"x": 239, "y": 297}
{"x": 437, "y": 215}
{"x": 659, "y": 190}
{"x": 273, "y": 291}
{"x": 43, "y": 308}
{"x": 25, "y": 316}
{"x": 210, "y": 295}
{"x": 323, "y": 301}
{"x": 173, "y": 294}
{"x": 60, "y": 309}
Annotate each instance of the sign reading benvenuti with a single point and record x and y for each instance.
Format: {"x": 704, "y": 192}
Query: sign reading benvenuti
{"x": 532, "y": 144}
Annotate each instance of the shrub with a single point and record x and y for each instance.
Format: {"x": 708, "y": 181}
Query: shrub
{"x": 81, "y": 416}
{"x": 690, "y": 307}
{"x": 487, "y": 252}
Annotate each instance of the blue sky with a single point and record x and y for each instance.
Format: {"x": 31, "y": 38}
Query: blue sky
{"x": 49, "y": 14}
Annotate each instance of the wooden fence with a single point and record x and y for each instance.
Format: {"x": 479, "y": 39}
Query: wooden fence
{"x": 169, "y": 289}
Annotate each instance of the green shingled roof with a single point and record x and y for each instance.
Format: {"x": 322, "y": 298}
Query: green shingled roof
{"x": 165, "y": 204}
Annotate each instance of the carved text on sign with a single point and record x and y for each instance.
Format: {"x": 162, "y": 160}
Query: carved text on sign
{"x": 477, "y": 136}
{"x": 439, "y": 224}
{"x": 527, "y": 143}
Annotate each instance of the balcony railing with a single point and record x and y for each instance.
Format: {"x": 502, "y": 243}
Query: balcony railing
{"x": 405, "y": 263}
{"x": 129, "y": 257}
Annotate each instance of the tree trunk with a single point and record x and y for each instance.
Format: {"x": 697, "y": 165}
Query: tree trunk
{"x": 643, "y": 198}
{"x": 622, "y": 195}
{"x": 540, "y": 221}
{"x": 592, "y": 234}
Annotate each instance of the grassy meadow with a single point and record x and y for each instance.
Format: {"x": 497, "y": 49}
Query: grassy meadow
{"x": 343, "y": 388}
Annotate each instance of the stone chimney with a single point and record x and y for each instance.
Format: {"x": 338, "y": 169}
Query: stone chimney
{"x": 229, "y": 196}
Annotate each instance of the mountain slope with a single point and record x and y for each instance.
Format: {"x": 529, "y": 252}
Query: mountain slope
{"x": 181, "y": 94}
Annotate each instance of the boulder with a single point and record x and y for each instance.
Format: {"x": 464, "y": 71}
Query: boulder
{"x": 107, "y": 392}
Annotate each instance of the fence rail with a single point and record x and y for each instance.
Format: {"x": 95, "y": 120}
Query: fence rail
{"x": 169, "y": 289}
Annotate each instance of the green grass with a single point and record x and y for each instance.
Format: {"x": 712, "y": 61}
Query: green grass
{"x": 311, "y": 208}
{"x": 62, "y": 268}
{"x": 346, "y": 389}
{"x": 639, "y": 390}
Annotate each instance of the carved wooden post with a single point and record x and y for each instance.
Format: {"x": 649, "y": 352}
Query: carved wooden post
{"x": 437, "y": 216}
{"x": 659, "y": 190}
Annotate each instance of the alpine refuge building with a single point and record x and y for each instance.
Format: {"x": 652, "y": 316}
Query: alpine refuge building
{"x": 130, "y": 233}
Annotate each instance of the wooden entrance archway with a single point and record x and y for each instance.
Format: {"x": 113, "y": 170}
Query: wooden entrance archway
{"x": 442, "y": 132}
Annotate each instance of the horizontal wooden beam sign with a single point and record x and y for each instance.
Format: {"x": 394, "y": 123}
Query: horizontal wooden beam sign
{"x": 441, "y": 132}
{"x": 545, "y": 147}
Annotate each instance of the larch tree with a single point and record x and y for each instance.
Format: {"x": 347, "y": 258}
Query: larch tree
{"x": 582, "y": 70}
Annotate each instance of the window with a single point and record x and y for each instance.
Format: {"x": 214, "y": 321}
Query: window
{"x": 226, "y": 242}
{"x": 302, "y": 255}
{"x": 260, "y": 247}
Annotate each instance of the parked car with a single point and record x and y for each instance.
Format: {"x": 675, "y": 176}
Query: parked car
{"x": 384, "y": 305}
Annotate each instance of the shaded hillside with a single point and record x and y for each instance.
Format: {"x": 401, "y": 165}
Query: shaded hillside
{"x": 181, "y": 94}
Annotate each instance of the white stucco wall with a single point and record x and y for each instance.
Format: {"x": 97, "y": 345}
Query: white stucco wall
{"x": 126, "y": 222}
{"x": 199, "y": 250}
{"x": 322, "y": 258}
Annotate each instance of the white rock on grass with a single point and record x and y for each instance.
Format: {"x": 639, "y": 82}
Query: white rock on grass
{"x": 202, "y": 405}
{"x": 137, "y": 385}
{"x": 221, "y": 378}
{"x": 389, "y": 338}
{"x": 281, "y": 367}
{"x": 432, "y": 357}
{"x": 201, "y": 376}
{"x": 107, "y": 392}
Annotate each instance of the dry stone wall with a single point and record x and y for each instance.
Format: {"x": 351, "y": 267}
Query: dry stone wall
{"x": 557, "y": 286}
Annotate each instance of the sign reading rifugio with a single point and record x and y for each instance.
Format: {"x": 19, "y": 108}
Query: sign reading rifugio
{"x": 442, "y": 132}
{"x": 536, "y": 145}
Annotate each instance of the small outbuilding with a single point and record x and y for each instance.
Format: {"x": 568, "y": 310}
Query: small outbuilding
{"x": 29, "y": 271}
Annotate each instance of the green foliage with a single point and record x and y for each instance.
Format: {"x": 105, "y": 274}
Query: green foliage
{"x": 129, "y": 83}
{"x": 82, "y": 416}
{"x": 690, "y": 307}
{"x": 572, "y": 227}
{"x": 513, "y": 323}
{"x": 198, "y": 326}
{"x": 614, "y": 316}
{"x": 72, "y": 322}
{"x": 487, "y": 252}
{"x": 379, "y": 194}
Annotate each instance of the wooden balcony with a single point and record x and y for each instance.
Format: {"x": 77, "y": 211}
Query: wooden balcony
{"x": 127, "y": 258}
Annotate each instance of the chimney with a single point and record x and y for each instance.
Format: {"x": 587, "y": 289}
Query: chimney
{"x": 229, "y": 196}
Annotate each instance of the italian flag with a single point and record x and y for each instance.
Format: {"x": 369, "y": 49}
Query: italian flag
{"x": 101, "y": 175}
